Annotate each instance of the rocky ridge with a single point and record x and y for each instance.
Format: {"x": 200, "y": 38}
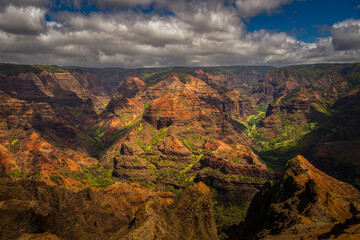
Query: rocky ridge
{"x": 32, "y": 209}
{"x": 305, "y": 204}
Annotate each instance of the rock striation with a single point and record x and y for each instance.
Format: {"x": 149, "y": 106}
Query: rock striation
{"x": 46, "y": 119}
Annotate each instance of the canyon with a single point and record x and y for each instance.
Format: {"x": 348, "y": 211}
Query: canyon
{"x": 179, "y": 153}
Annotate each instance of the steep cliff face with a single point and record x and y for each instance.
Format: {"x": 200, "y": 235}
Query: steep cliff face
{"x": 329, "y": 79}
{"x": 170, "y": 84}
{"x": 300, "y": 107}
{"x": 45, "y": 120}
{"x": 309, "y": 120}
{"x": 278, "y": 83}
{"x": 306, "y": 204}
{"x": 189, "y": 217}
{"x": 171, "y": 102}
{"x": 24, "y": 126}
{"x": 123, "y": 108}
{"x": 336, "y": 150}
{"x": 69, "y": 87}
{"x": 240, "y": 79}
{"x": 32, "y": 209}
{"x": 173, "y": 133}
{"x": 166, "y": 121}
{"x": 182, "y": 125}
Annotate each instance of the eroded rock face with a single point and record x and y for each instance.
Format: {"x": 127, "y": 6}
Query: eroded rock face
{"x": 170, "y": 84}
{"x": 277, "y": 83}
{"x": 228, "y": 82}
{"x": 174, "y": 132}
{"x": 172, "y": 146}
{"x": 130, "y": 87}
{"x": 181, "y": 122}
{"x": 300, "y": 107}
{"x": 189, "y": 217}
{"x": 44, "y": 120}
{"x": 45, "y": 86}
{"x": 157, "y": 135}
{"x": 22, "y": 146}
{"x": 34, "y": 210}
{"x": 328, "y": 81}
{"x": 232, "y": 168}
{"x": 306, "y": 203}
{"x": 127, "y": 90}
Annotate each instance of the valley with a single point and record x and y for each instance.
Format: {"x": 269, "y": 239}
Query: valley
{"x": 137, "y": 147}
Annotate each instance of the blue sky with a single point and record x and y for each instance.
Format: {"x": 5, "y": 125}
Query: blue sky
{"x": 148, "y": 33}
{"x": 307, "y": 20}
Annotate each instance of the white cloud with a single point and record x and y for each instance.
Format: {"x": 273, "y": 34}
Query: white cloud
{"x": 346, "y": 34}
{"x": 198, "y": 33}
{"x": 250, "y": 8}
{"x": 22, "y": 20}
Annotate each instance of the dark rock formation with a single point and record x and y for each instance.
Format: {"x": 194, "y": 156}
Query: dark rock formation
{"x": 128, "y": 89}
{"x": 306, "y": 204}
{"x": 189, "y": 217}
{"x": 34, "y": 210}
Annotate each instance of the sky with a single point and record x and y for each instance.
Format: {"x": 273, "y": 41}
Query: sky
{"x": 157, "y": 33}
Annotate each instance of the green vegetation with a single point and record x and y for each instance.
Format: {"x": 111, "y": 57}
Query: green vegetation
{"x": 98, "y": 134}
{"x": 252, "y": 121}
{"x": 353, "y": 80}
{"x": 146, "y": 104}
{"x": 255, "y": 119}
{"x": 16, "y": 69}
{"x": 152, "y": 76}
{"x": 276, "y": 150}
{"x": 239, "y": 125}
{"x": 171, "y": 188}
{"x": 152, "y": 167}
{"x": 227, "y": 211}
{"x": 160, "y": 136}
{"x": 56, "y": 178}
{"x": 16, "y": 173}
{"x": 290, "y": 95}
{"x": 140, "y": 128}
{"x": 188, "y": 167}
{"x": 14, "y": 143}
{"x": 118, "y": 134}
{"x": 277, "y": 146}
{"x": 31, "y": 175}
{"x": 34, "y": 175}
{"x": 318, "y": 107}
{"x": 189, "y": 141}
{"x": 184, "y": 78}
{"x": 75, "y": 113}
{"x": 95, "y": 175}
